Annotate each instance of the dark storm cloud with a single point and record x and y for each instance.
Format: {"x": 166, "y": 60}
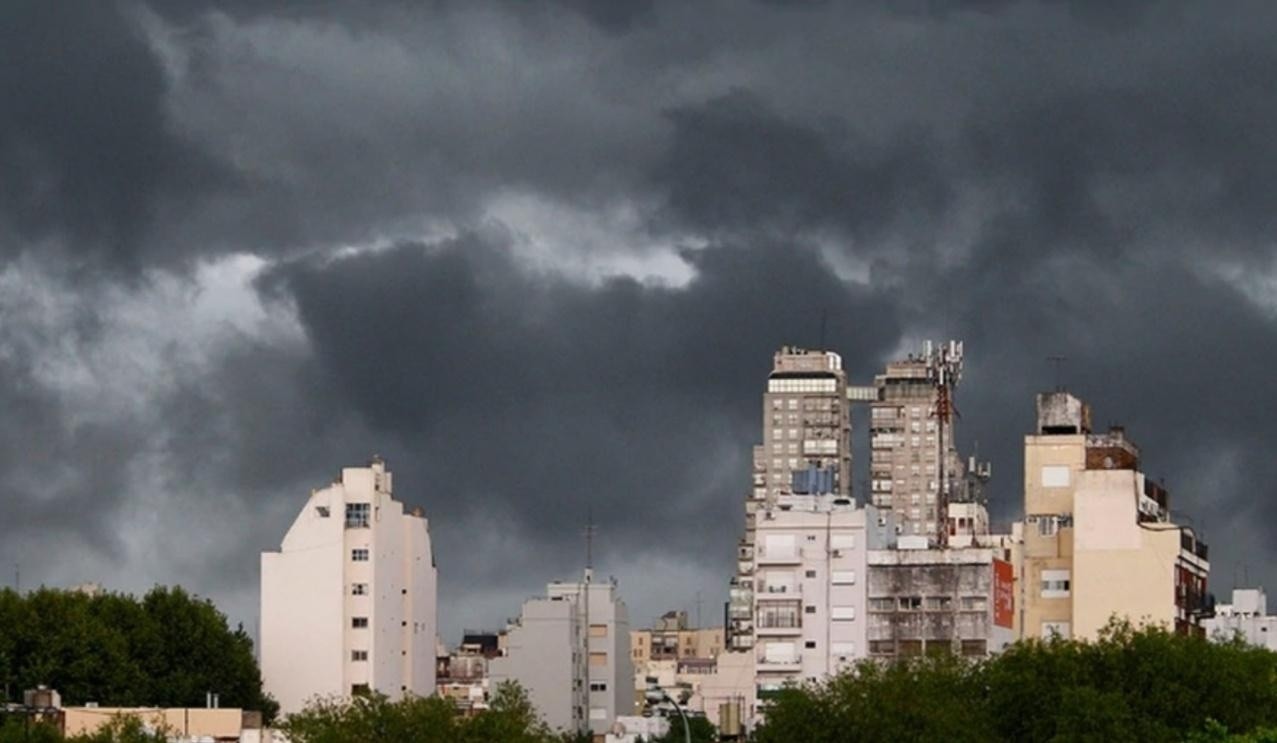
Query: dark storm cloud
{"x": 85, "y": 147}
{"x": 538, "y": 399}
{"x": 1085, "y": 179}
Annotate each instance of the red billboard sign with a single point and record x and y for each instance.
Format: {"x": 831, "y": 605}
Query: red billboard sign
{"x": 1003, "y": 594}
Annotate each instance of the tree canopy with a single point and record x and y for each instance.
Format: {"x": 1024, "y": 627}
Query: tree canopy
{"x": 510, "y": 718}
{"x": 166, "y": 649}
{"x": 1130, "y": 685}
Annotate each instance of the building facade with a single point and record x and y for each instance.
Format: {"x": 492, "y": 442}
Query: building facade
{"x": 1247, "y": 616}
{"x": 1091, "y": 515}
{"x": 925, "y": 600}
{"x": 571, "y": 651}
{"x": 348, "y": 602}
{"x": 808, "y": 608}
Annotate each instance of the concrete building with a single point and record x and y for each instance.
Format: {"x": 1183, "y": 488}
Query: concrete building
{"x": 543, "y": 652}
{"x": 808, "y": 609}
{"x": 922, "y": 600}
{"x": 1247, "y": 616}
{"x": 348, "y": 602}
{"x": 806, "y": 451}
{"x": 670, "y": 638}
{"x": 1091, "y": 515}
{"x": 572, "y": 656}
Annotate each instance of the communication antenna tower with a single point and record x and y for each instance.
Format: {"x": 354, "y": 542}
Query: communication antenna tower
{"x": 944, "y": 371}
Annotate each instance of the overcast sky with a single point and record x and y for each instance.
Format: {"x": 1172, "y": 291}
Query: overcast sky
{"x": 538, "y": 256}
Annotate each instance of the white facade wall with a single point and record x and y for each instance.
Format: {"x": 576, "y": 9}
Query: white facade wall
{"x": 543, "y": 654}
{"x": 809, "y": 592}
{"x": 546, "y": 653}
{"x": 315, "y": 591}
{"x": 1247, "y": 616}
{"x": 609, "y": 667}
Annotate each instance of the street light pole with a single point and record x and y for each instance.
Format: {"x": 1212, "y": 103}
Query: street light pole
{"x": 687, "y": 731}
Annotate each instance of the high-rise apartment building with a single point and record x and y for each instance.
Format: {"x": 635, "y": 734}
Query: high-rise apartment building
{"x": 348, "y": 602}
{"x": 809, "y": 598}
{"x": 806, "y": 445}
{"x": 806, "y": 452}
{"x": 915, "y": 470}
{"x": 572, "y": 655}
{"x": 1098, "y": 539}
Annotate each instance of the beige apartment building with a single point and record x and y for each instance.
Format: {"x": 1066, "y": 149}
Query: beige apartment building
{"x": 670, "y": 638}
{"x": 348, "y": 602}
{"x": 1098, "y": 539}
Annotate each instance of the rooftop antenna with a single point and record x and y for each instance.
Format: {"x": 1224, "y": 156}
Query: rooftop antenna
{"x": 589, "y": 544}
{"x": 1057, "y": 362}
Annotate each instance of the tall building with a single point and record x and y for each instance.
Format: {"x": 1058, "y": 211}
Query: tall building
{"x": 809, "y": 599}
{"x": 572, "y": 656}
{"x": 806, "y": 428}
{"x": 806, "y": 451}
{"x": 915, "y": 470}
{"x": 1098, "y": 539}
{"x": 348, "y": 602}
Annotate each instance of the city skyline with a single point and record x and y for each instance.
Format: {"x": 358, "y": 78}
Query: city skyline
{"x": 539, "y": 258}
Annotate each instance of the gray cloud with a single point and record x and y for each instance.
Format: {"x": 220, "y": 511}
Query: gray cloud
{"x": 441, "y": 193}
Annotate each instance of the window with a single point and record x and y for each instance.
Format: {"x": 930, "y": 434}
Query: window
{"x": 844, "y": 577}
{"x": 842, "y": 541}
{"x": 598, "y": 686}
{"x": 1055, "y": 584}
{"x": 1047, "y": 526}
{"x": 809, "y": 609}
{"x": 974, "y": 603}
{"x": 882, "y": 604}
{"x": 810, "y": 574}
{"x": 1055, "y": 476}
{"x": 322, "y": 511}
{"x": 359, "y": 655}
{"x": 598, "y": 659}
{"x": 938, "y": 603}
{"x": 910, "y": 603}
{"x": 882, "y": 647}
{"x": 810, "y": 644}
{"x": 359, "y": 690}
{"x": 359, "y": 622}
{"x": 975, "y": 647}
{"x": 359, "y": 589}
{"x": 357, "y": 515}
{"x": 842, "y": 613}
{"x": 598, "y": 630}
{"x": 359, "y": 554}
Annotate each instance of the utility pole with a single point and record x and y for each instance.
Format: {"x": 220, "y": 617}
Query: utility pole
{"x": 588, "y": 579}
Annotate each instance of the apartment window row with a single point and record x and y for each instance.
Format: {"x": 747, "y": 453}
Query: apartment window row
{"x": 826, "y": 385}
{"x": 927, "y": 603}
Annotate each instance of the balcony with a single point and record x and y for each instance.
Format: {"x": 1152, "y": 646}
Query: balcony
{"x": 782, "y": 592}
{"x": 778, "y": 557}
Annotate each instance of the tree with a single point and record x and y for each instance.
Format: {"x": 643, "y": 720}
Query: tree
{"x": 166, "y": 649}
{"x": 1129, "y": 685}
{"x": 510, "y": 718}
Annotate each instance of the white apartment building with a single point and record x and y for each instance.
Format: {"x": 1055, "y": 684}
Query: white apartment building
{"x": 574, "y": 685}
{"x": 1248, "y": 616}
{"x": 348, "y": 602}
{"x": 809, "y": 597}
